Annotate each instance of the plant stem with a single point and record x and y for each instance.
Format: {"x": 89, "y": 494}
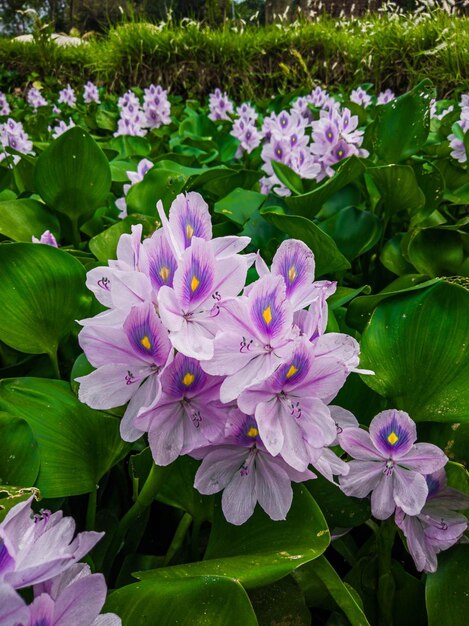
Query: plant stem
{"x": 55, "y": 363}
{"x": 386, "y": 584}
{"x": 178, "y": 538}
{"x": 143, "y": 501}
{"x": 91, "y": 510}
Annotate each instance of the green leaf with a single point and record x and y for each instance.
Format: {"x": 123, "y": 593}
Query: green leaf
{"x": 446, "y": 590}
{"x": 158, "y": 184}
{"x": 77, "y": 445}
{"x": 195, "y": 601}
{"x": 11, "y": 496}
{"x": 104, "y": 245}
{"x": 260, "y": 551}
{"x": 72, "y": 175}
{"x": 42, "y": 290}
{"x": 392, "y": 258}
{"x": 309, "y": 204}
{"x": 281, "y": 604}
{"x": 340, "y": 511}
{"x": 128, "y": 145}
{"x": 417, "y": 345}
{"x": 239, "y": 205}
{"x": 21, "y": 219}
{"x": 398, "y": 188}
{"x": 353, "y": 231}
{"x": 288, "y": 177}
{"x": 19, "y": 455}
{"x": 437, "y": 251}
{"x": 401, "y": 127}
{"x": 328, "y": 257}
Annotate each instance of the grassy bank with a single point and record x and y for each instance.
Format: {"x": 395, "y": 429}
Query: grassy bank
{"x": 256, "y": 62}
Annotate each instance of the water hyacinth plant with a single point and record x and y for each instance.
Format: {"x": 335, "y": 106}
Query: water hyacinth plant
{"x": 263, "y": 402}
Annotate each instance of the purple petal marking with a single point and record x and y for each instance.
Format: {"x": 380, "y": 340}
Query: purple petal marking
{"x": 270, "y": 312}
{"x": 189, "y": 217}
{"x": 161, "y": 260}
{"x": 393, "y": 433}
{"x": 294, "y": 371}
{"x": 195, "y": 276}
{"x": 294, "y": 261}
{"x": 7, "y": 562}
{"x": 147, "y": 335}
{"x": 183, "y": 377}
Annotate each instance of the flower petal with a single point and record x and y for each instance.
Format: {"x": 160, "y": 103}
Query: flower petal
{"x": 410, "y": 490}
{"x": 363, "y": 477}
{"x": 383, "y": 503}
{"x": 425, "y": 458}
{"x": 358, "y": 444}
{"x": 273, "y": 487}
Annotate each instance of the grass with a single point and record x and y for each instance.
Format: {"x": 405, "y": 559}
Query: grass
{"x": 255, "y": 62}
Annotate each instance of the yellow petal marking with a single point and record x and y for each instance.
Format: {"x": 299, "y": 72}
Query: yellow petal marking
{"x": 145, "y": 342}
{"x": 292, "y": 371}
{"x": 267, "y": 315}
{"x": 164, "y": 273}
{"x": 340, "y": 153}
{"x": 252, "y": 432}
{"x": 189, "y": 231}
{"x": 292, "y": 273}
{"x": 188, "y": 379}
{"x": 393, "y": 438}
{"x": 195, "y": 282}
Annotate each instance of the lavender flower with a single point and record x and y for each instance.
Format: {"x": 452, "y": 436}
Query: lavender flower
{"x": 4, "y": 106}
{"x": 457, "y": 145}
{"x": 438, "y": 526}
{"x": 61, "y": 128}
{"x": 135, "y": 177}
{"x": 359, "y": 96}
{"x": 90, "y": 93}
{"x": 220, "y": 106}
{"x": 35, "y": 98}
{"x": 67, "y": 96}
{"x": 36, "y": 547}
{"x": 247, "y": 134}
{"x": 47, "y": 238}
{"x": 132, "y": 119}
{"x": 13, "y": 135}
{"x": 386, "y": 96}
{"x": 246, "y": 472}
{"x": 156, "y": 107}
{"x": 389, "y": 464}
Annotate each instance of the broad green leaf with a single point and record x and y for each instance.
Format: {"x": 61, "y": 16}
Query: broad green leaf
{"x": 401, "y": 127}
{"x": 239, "y": 205}
{"x": 309, "y": 204}
{"x": 104, "y": 245}
{"x": 417, "y": 345}
{"x": 353, "y": 231}
{"x": 446, "y": 590}
{"x": 72, "y": 175}
{"x": 288, "y": 177}
{"x": 19, "y": 455}
{"x": 340, "y": 511}
{"x": 11, "y": 496}
{"x": 281, "y": 603}
{"x": 158, "y": 184}
{"x": 328, "y": 257}
{"x": 398, "y": 187}
{"x": 77, "y": 445}
{"x": 260, "y": 551}
{"x": 42, "y": 290}
{"x": 21, "y": 219}
{"x": 438, "y": 252}
{"x": 392, "y": 258}
{"x": 128, "y": 145}
{"x": 195, "y": 601}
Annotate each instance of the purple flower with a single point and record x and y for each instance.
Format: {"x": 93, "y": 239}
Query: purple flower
{"x": 12, "y": 135}
{"x": 36, "y": 547}
{"x": 67, "y": 96}
{"x": 4, "y": 106}
{"x": 290, "y": 408}
{"x": 47, "y": 238}
{"x": 386, "y": 96}
{"x": 458, "y": 147}
{"x": 187, "y": 415}
{"x": 220, "y": 106}
{"x": 389, "y": 464}
{"x": 359, "y": 96}
{"x": 61, "y": 128}
{"x": 438, "y": 526}
{"x": 132, "y": 119}
{"x": 257, "y": 336}
{"x": 35, "y": 98}
{"x": 90, "y": 93}
{"x": 156, "y": 107}
{"x": 247, "y": 134}
{"x": 246, "y": 472}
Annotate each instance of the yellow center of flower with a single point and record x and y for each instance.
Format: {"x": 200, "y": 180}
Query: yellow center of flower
{"x": 195, "y": 282}
{"x": 393, "y": 438}
{"x": 188, "y": 379}
{"x": 340, "y": 153}
{"x": 252, "y": 432}
{"x": 292, "y": 273}
{"x": 189, "y": 231}
{"x": 329, "y": 135}
{"x": 279, "y": 152}
{"x": 267, "y": 315}
{"x": 145, "y": 342}
{"x": 164, "y": 273}
{"x": 292, "y": 371}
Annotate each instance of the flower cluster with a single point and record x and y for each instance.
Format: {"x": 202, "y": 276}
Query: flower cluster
{"x": 4, "y": 106}
{"x": 361, "y": 97}
{"x": 243, "y": 382}
{"x": 132, "y": 118}
{"x": 67, "y": 96}
{"x": 456, "y": 142}
{"x": 245, "y": 130}
{"x": 156, "y": 107}
{"x": 90, "y": 93}
{"x": 41, "y": 551}
{"x": 61, "y": 128}
{"x": 385, "y": 96}
{"x": 134, "y": 177}
{"x": 405, "y": 479}
{"x": 14, "y": 136}
{"x": 36, "y": 99}
{"x": 46, "y": 238}
{"x": 220, "y": 106}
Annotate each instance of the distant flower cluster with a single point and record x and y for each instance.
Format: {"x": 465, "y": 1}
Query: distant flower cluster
{"x": 13, "y": 135}
{"x": 135, "y": 119}
{"x": 67, "y": 96}
{"x": 35, "y": 99}
{"x": 456, "y": 141}
{"x": 220, "y": 106}
{"x": 40, "y": 552}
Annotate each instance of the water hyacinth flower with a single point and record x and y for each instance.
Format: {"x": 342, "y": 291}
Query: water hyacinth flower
{"x": 241, "y": 467}
{"x": 74, "y": 597}
{"x": 35, "y": 99}
{"x": 61, "y": 128}
{"x": 359, "y": 96}
{"x": 156, "y": 107}
{"x": 385, "y": 96}
{"x": 90, "y": 93}
{"x": 67, "y": 96}
{"x": 135, "y": 177}
{"x": 132, "y": 119}
{"x": 220, "y": 106}
{"x": 47, "y": 238}
{"x": 36, "y": 547}
{"x": 13, "y": 135}
{"x": 388, "y": 463}
{"x": 246, "y": 132}
{"x": 4, "y": 106}
{"x": 187, "y": 415}
{"x": 438, "y": 526}
{"x": 458, "y": 148}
